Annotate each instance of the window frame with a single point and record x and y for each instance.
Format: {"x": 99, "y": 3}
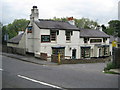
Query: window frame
{"x": 85, "y": 52}
{"x": 53, "y": 37}
{"x": 68, "y": 35}
{"x": 96, "y": 41}
{"x": 29, "y": 29}
{"x": 86, "y": 40}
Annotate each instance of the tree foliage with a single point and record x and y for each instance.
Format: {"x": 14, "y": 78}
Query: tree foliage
{"x": 81, "y": 23}
{"x": 12, "y": 29}
{"x": 113, "y": 28}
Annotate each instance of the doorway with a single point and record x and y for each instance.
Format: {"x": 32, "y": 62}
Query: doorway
{"x": 74, "y": 54}
{"x": 100, "y": 54}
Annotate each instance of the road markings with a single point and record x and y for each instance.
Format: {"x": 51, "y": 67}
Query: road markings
{"x": 47, "y": 84}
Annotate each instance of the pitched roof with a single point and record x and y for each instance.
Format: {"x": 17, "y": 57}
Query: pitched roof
{"x": 16, "y": 39}
{"x": 51, "y": 24}
{"x": 92, "y": 33}
{"x": 112, "y": 38}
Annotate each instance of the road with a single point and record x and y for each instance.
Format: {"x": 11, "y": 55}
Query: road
{"x": 20, "y": 74}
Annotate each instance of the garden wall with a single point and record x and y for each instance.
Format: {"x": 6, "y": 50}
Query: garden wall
{"x": 75, "y": 61}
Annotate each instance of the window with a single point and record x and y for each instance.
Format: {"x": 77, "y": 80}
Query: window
{"x": 106, "y": 51}
{"x": 95, "y": 40}
{"x": 68, "y": 35}
{"x": 104, "y": 40}
{"x": 58, "y": 50}
{"x": 45, "y": 38}
{"x": 86, "y": 40}
{"x": 85, "y": 52}
{"x": 53, "y": 35}
{"x": 29, "y": 29}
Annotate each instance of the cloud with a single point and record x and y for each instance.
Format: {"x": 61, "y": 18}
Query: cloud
{"x": 100, "y": 10}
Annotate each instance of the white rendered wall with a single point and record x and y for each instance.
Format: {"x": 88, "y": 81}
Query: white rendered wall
{"x": 61, "y": 41}
{"x": 36, "y": 36}
{"x": 29, "y": 41}
{"x": 75, "y": 43}
{"x": 22, "y": 43}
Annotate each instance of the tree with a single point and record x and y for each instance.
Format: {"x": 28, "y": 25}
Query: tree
{"x": 12, "y": 29}
{"x": 113, "y": 28}
{"x": 86, "y": 23}
{"x": 104, "y": 28}
{"x": 81, "y": 23}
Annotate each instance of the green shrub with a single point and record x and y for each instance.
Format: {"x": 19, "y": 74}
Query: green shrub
{"x": 110, "y": 66}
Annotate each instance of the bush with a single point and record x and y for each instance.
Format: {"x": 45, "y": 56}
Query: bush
{"x": 110, "y": 66}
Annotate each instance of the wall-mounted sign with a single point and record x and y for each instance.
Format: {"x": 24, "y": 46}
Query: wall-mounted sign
{"x": 114, "y": 43}
{"x": 45, "y": 38}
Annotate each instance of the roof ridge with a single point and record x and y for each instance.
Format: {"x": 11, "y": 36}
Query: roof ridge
{"x": 51, "y": 20}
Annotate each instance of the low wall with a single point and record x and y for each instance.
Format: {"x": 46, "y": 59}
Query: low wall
{"x": 75, "y": 61}
{"x": 15, "y": 50}
{"x": 54, "y": 58}
{"x": 43, "y": 56}
{"x": 4, "y": 48}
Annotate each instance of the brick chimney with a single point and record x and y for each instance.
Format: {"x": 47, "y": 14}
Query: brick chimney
{"x": 71, "y": 20}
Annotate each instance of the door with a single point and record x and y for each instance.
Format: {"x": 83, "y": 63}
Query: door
{"x": 74, "y": 54}
{"x": 100, "y": 52}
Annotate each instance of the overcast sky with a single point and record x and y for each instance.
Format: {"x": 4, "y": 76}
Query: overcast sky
{"x": 101, "y": 11}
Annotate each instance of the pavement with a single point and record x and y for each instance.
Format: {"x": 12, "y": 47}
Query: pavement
{"x": 32, "y": 59}
{"x": 115, "y": 70}
{"x": 28, "y": 58}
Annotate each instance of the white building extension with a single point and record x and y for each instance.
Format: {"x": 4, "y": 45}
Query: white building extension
{"x": 53, "y": 37}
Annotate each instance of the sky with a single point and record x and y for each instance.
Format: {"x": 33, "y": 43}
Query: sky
{"x": 101, "y": 11}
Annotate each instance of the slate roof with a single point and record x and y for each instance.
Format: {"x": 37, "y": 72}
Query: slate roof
{"x": 112, "y": 38}
{"x": 51, "y": 24}
{"x": 16, "y": 39}
{"x": 92, "y": 33}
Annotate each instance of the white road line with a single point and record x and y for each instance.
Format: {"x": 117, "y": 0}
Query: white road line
{"x": 47, "y": 84}
{"x": 1, "y": 69}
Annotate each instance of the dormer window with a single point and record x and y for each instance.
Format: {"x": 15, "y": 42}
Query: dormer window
{"x": 29, "y": 29}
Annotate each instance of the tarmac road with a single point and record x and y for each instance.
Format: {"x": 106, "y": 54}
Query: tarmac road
{"x": 20, "y": 74}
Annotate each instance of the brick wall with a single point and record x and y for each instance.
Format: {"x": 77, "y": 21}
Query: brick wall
{"x": 43, "y": 56}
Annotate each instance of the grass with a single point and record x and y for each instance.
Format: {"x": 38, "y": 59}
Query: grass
{"x": 109, "y": 66}
{"x": 111, "y": 72}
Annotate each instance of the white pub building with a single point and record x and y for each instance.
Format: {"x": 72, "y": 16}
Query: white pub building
{"x": 53, "y": 37}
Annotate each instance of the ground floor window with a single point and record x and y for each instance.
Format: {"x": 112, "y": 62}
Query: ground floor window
{"x": 57, "y": 50}
{"x": 85, "y": 52}
{"x": 104, "y": 51}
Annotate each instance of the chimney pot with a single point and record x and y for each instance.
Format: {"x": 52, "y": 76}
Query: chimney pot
{"x": 71, "y": 20}
{"x": 34, "y": 6}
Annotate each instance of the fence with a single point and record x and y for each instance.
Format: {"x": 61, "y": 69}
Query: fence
{"x": 116, "y": 56}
